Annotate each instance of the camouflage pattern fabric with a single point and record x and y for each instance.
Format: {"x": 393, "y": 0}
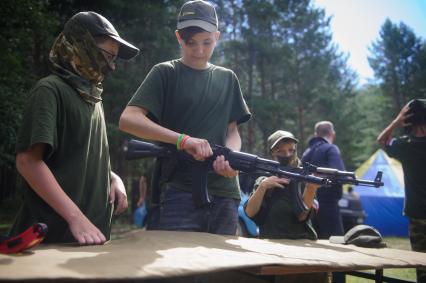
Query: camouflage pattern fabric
{"x": 417, "y": 229}
{"x": 76, "y": 58}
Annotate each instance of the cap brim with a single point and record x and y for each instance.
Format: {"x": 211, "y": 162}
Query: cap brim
{"x": 337, "y": 240}
{"x": 127, "y": 51}
{"x": 283, "y": 138}
{"x": 368, "y": 241}
{"x": 197, "y": 23}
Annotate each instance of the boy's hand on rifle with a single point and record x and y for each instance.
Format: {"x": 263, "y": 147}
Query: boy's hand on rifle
{"x": 222, "y": 167}
{"x": 312, "y": 186}
{"x": 199, "y": 148}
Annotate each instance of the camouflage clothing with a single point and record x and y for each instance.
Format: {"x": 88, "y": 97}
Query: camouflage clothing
{"x": 76, "y": 58}
{"x": 418, "y": 242}
{"x": 276, "y": 217}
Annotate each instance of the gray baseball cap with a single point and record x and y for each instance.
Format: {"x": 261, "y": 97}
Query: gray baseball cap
{"x": 279, "y": 136}
{"x": 360, "y": 235}
{"x": 98, "y": 25}
{"x": 198, "y": 13}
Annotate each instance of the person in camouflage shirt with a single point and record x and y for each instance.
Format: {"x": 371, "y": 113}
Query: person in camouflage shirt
{"x": 272, "y": 206}
{"x": 62, "y": 148}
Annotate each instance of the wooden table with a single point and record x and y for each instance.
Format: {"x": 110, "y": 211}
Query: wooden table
{"x": 146, "y": 255}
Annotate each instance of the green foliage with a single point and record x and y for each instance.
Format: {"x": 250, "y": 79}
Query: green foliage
{"x": 291, "y": 72}
{"x": 24, "y": 37}
{"x": 150, "y": 26}
{"x": 397, "y": 59}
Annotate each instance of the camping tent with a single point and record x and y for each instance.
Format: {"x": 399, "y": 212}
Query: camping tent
{"x": 383, "y": 205}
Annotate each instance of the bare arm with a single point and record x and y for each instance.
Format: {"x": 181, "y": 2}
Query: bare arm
{"x": 142, "y": 190}
{"x": 386, "y": 135}
{"x": 233, "y": 141}
{"x": 308, "y": 199}
{"x": 118, "y": 194}
{"x": 134, "y": 121}
{"x": 255, "y": 201}
{"x": 31, "y": 166}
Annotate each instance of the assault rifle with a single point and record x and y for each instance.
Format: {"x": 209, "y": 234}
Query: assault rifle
{"x": 247, "y": 163}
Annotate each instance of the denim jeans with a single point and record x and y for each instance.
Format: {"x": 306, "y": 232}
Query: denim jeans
{"x": 177, "y": 212}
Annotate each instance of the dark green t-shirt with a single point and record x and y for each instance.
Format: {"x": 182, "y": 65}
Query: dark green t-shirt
{"x": 77, "y": 153}
{"x": 199, "y": 103}
{"x": 411, "y": 151}
{"x": 276, "y": 218}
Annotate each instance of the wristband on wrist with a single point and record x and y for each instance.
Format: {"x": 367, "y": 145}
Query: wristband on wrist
{"x": 182, "y": 143}
{"x": 179, "y": 140}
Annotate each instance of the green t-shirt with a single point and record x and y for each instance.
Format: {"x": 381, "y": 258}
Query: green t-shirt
{"x": 77, "y": 153}
{"x": 276, "y": 218}
{"x": 199, "y": 103}
{"x": 411, "y": 151}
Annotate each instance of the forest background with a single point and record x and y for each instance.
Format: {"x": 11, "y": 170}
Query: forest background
{"x": 291, "y": 72}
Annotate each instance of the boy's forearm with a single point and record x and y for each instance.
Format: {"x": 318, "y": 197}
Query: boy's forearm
{"x": 255, "y": 201}
{"x": 42, "y": 181}
{"x": 399, "y": 121}
{"x": 134, "y": 121}
{"x": 386, "y": 134}
{"x": 233, "y": 138}
{"x": 309, "y": 194}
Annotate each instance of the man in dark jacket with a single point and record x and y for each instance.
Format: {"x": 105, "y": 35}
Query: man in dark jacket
{"x": 322, "y": 152}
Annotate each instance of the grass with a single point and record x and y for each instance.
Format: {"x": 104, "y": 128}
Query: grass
{"x": 400, "y": 273}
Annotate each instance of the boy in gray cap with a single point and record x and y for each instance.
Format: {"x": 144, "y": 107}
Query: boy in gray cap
{"x": 62, "y": 148}
{"x": 191, "y": 103}
{"x": 410, "y": 149}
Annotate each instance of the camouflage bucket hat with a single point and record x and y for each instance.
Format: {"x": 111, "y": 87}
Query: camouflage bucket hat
{"x": 278, "y": 136}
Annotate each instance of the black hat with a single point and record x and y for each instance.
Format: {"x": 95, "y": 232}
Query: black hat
{"x": 98, "y": 25}
{"x": 198, "y": 13}
{"x": 418, "y": 109}
{"x": 360, "y": 235}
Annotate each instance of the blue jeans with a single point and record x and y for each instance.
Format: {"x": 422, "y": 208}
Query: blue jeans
{"x": 177, "y": 212}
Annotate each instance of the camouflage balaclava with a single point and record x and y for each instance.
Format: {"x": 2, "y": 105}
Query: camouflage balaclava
{"x": 76, "y": 58}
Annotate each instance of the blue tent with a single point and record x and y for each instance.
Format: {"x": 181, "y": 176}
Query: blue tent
{"x": 384, "y": 205}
